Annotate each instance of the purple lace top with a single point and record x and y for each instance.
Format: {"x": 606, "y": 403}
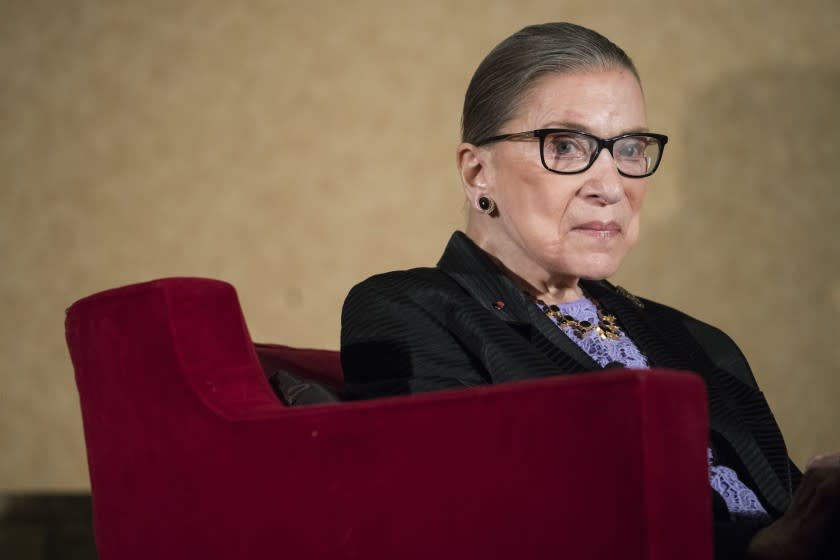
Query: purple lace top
{"x": 740, "y": 499}
{"x": 603, "y": 351}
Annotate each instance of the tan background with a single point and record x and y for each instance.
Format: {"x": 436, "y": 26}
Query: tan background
{"x": 294, "y": 148}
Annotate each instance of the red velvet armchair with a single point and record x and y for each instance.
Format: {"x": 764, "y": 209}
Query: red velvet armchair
{"x": 191, "y": 454}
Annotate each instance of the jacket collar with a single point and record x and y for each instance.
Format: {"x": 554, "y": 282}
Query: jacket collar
{"x": 476, "y": 273}
{"x": 479, "y": 276}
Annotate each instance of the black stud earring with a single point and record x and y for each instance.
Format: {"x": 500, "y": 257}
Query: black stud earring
{"x": 486, "y": 204}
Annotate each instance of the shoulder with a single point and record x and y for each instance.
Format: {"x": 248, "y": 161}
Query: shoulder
{"x": 718, "y": 345}
{"x": 411, "y": 301}
{"x": 399, "y": 335}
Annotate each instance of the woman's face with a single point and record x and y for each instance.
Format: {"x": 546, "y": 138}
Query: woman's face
{"x": 577, "y": 226}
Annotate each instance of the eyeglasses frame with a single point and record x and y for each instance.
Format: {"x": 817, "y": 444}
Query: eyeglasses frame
{"x": 607, "y": 143}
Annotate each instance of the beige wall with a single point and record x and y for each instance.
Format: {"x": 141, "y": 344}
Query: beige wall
{"x": 294, "y": 148}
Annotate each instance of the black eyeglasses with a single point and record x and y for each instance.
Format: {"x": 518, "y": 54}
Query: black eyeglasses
{"x": 567, "y": 152}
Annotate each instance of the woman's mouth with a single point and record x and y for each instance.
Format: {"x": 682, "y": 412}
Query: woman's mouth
{"x": 599, "y": 230}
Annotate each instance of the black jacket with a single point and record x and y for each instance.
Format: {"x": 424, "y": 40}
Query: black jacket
{"x": 464, "y": 323}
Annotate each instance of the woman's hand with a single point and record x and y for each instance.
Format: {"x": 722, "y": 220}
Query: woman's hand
{"x": 820, "y": 461}
{"x": 810, "y": 527}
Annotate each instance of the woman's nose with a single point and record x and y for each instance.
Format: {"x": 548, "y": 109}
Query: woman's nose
{"x": 604, "y": 183}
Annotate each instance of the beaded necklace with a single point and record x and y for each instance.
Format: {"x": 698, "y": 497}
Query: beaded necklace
{"x": 607, "y": 327}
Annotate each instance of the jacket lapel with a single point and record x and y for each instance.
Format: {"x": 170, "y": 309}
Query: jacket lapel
{"x": 473, "y": 270}
{"x": 554, "y": 343}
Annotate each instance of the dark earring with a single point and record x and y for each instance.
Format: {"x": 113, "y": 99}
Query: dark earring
{"x": 486, "y": 204}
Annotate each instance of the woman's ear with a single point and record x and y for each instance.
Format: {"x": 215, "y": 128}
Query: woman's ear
{"x": 475, "y": 169}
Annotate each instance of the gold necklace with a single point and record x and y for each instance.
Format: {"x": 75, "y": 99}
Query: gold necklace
{"x": 607, "y": 327}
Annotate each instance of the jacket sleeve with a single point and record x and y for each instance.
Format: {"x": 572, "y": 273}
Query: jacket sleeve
{"x": 397, "y": 337}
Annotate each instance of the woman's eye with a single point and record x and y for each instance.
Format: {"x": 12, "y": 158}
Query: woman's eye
{"x": 563, "y": 147}
{"x": 566, "y": 147}
{"x": 632, "y": 149}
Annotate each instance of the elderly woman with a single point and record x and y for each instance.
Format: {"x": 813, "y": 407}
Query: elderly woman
{"x": 554, "y": 160}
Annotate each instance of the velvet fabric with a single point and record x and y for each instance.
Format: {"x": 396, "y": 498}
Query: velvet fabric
{"x": 192, "y": 456}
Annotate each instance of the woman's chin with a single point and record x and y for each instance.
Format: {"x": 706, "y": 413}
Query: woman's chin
{"x": 598, "y": 268}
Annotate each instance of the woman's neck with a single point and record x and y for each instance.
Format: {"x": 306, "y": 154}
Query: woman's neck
{"x": 552, "y": 289}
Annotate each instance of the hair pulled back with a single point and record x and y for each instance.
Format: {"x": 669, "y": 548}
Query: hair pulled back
{"x": 507, "y": 73}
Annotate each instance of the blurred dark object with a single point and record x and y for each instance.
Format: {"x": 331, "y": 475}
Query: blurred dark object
{"x": 46, "y": 527}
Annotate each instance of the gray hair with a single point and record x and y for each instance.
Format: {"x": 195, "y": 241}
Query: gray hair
{"x": 513, "y": 66}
